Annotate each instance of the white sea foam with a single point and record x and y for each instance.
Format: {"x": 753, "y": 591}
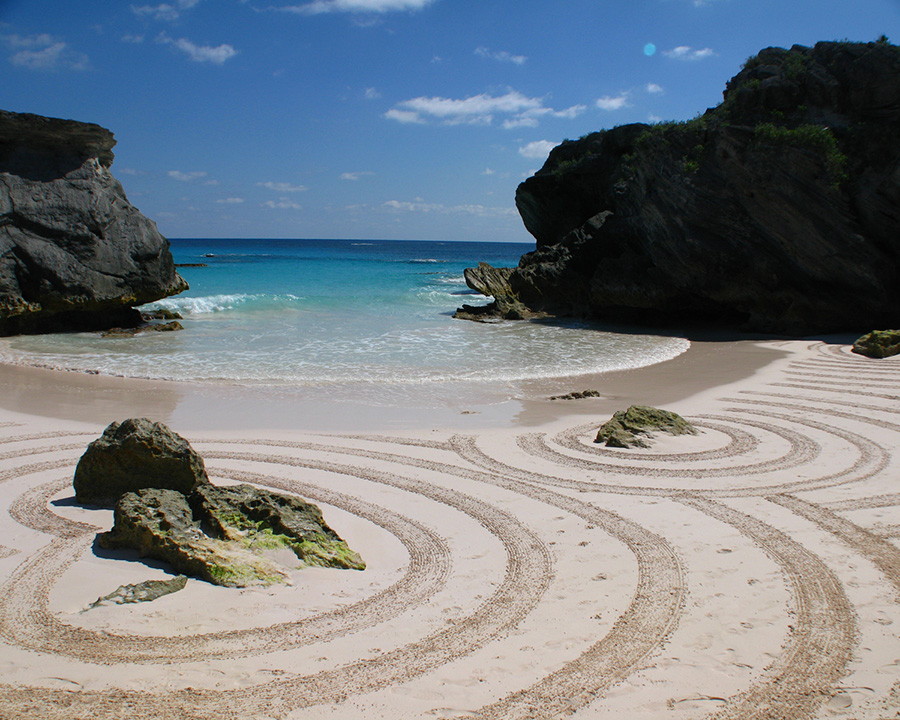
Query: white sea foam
{"x": 216, "y": 303}
{"x": 358, "y": 326}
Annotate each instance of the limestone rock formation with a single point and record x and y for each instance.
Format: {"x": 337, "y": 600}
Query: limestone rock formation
{"x": 776, "y": 211}
{"x": 878, "y": 344}
{"x": 229, "y": 536}
{"x": 133, "y": 455}
{"x": 166, "y": 508}
{"x": 74, "y": 253}
{"x": 632, "y": 427}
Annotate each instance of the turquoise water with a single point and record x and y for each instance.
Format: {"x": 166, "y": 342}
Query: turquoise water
{"x": 360, "y": 317}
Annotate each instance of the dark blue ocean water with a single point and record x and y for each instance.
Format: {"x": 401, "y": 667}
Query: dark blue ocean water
{"x": 360, "y": 316}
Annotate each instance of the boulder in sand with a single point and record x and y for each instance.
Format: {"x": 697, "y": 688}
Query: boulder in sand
{"x": 632, "y": 427}
{"x": 878, "y": 344}
{"x": 133, "y": 455}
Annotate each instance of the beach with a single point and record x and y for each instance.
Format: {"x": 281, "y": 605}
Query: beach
{"x": 515, "y": 569}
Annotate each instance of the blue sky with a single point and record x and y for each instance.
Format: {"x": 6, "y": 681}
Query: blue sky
{"x": 406, "y": 119}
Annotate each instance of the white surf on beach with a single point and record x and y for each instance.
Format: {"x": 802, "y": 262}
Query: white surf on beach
{"x": 369, "y": 319}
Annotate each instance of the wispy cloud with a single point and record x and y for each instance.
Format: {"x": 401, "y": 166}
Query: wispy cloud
{"x": 356, "y": 6}
{"x": 44, "y": 52}
{"x": 611, "y": 103}
{"x": 199, "y": 53}
{"x": 372, "y": 94}
{"x": 520, "y": 110}
{"x": 501, "y": 56}
{"x": 186, "y": 176}
{"x": 420, "y": 206}
{"x": 685, "y": 52}
{"x": 282, "y": 187}
{"x": 539, "y": 149}
{"x": 355, "y": 175}
{"x": 165, "y": 11}
{"x": 230, "y": 201}
{"x": 653, "y": 88}
{"x": 282, "y": 204}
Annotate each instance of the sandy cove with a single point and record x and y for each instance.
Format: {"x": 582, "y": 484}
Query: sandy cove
{"x": 515, "y": 569}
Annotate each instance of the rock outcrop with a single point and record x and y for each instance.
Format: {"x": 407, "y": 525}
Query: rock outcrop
{"x": 133, "y": 455}
{"x": 776, "y": 211}
{"x": 634, "y": 426}
{"x": 878, "y": 344}
{"x": 74, "y": 253}
{"x": 167, "y": 509}
{"x": 227, "y": 536}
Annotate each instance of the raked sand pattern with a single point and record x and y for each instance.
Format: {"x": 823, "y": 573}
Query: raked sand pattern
{"x": 752, "y": 571}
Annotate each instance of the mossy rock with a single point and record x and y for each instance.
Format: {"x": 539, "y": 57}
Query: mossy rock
{"x": 227, "y": 535}
{"x": 632, "y": 427}
{"x": 878, "y": 344}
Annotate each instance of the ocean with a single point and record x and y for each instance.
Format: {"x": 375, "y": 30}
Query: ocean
{"x": 367, "y": 319}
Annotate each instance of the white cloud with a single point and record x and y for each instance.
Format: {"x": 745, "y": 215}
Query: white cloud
{"x": 43, "y": 52}
{"x": 478, "y": 110}
{"x": 164, "y": 11}
{"x": 404, "y": 116}
{"x": 282, "y": 187}
{"x": 28, "y": 41}
{"x": 134, "y": 39}
{"x": 282, "y": 204}
{"x": 685, "y": 52}
{"x": 501, "y": 56}
{"x": 356, "y": 6}
{"x": 653, "y": 88}
{"x": 538, "y": 149}
{"x": 355, "y": 175}
{"x": 488, "y": 171}
{"x": 420, "y": 206}
{"x": 372, "y": 94}
{"x": 610, "y": 103}
{"x": 200, "y": 53}
{"x": 186, "y": 176}
{"x": 230, "y": 201}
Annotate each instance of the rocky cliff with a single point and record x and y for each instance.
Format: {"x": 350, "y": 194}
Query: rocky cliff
{"x": 74, "y": 253}
{"x": 776, "y": 211}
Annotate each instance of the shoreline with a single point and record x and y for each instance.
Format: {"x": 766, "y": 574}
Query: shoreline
{"x": 98, "y": 398}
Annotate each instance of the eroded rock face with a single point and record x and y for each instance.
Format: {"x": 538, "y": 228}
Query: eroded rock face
{"x": 74, "y": 253}
{"x": 133, "y": 455}
{"x": 633, "y": 427}
{"x": 777, "y": 211}
{"x": 878, "y": 344}
{"x": 232, "y": 536}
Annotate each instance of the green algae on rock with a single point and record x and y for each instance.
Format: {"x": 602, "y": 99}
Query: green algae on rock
{"x": 878, "y": 344}
{"x": 632, "y": 427}
{"x": 227, "y": 535}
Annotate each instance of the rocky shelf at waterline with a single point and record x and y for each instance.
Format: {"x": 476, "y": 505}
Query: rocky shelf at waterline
{"x": 74, "y": 253}
{"x": 776, "y": 211}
